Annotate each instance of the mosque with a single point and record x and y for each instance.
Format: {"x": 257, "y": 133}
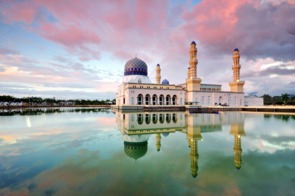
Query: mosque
{"x": 137, "y": 91}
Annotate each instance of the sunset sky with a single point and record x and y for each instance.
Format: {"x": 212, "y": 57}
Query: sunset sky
{"x": 77, "y": 49}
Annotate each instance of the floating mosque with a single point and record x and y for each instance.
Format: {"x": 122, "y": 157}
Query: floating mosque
{"x": 137, "y": 91}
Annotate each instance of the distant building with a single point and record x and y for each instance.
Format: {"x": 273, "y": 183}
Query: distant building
{"x": 137, "y": 89}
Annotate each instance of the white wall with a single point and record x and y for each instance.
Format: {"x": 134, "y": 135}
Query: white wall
{"x": 254, "y": 101}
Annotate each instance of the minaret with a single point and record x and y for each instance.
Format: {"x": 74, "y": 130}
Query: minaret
{"x": 158, "y": 141}
{"x": 194, "y": 156}
{"x": 237, "y": 129}
{"x": 193, "y": 83}
{"x": 193, "y": 60}
{"x": 236, "y": 85}
{"x": 158, "y": 74}
{"x": 193, "y": 135}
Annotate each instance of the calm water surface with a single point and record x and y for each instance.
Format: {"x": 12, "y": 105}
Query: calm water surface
{"x": 98, "y": 152}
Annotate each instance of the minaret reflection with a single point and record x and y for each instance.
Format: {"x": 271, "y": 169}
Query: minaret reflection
{"x": 193, "y": 135}
{"x": 158, "y": 141}
{"x": 237, "y": 129}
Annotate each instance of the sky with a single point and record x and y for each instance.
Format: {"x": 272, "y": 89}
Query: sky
{"x": 74, "y": 49}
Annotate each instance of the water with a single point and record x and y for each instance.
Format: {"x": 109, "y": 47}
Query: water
{"x": 98, "y": 152}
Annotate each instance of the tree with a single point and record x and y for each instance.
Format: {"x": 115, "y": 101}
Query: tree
{"x": 267, "y": 99}
{"x": 285, "y": 97}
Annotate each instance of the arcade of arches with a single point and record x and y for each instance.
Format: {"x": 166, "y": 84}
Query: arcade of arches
{"x": 156, "y": 100}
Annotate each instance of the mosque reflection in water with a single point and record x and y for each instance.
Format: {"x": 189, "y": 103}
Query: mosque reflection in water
{"x": 137, "y": 128}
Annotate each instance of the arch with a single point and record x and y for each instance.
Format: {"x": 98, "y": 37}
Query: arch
{"x": 209, "y": 100}
{"x": 168, "y": 118}
{"x": 155, "y": 99}
{"x": 139, "y": 119}
{"x": 155, "y": 118}
{"x": 147, "y": 118}
{"x": 202, "y": 100}
{"x": 174, "y": 100}
{"x": 147, "y": 99}
{"x": 168, "y": 100}
{"x": 174, "y": 118}
{"x": 140, "y": 99}
{"x": 161, "y": 99}
{"x": 235, "y": 100}
{"x": 161, "y": 118}
{"x": 132, "y": 100}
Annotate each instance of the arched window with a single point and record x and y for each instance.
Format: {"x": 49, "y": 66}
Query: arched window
{"x": 139, "y": 119}
{"x": 155, "y": 118}
{"x": 174, "y": 118}
{"x": 168, "y": 98}
{"x": 147, "y": 99}
{"x": 140, "y": 99}
{"x": 132, "y": 100}
{"x": 168, "y": 118}
{"x": 161, "y": 118}
{"x": 174, "y": 100}
{"x": 209, "y": 100}
{"x": 202, "y": 100}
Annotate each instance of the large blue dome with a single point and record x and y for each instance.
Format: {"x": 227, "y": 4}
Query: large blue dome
{"x": 135, "y": 66}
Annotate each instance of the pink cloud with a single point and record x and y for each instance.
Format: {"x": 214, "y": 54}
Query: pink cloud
{"x": 22, "y": 11}
{"x": 70, "y": 36}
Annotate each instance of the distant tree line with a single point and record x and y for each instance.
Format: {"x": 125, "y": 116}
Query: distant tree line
{"x": 8, "y": 100}
{"x": 284, "y": 99}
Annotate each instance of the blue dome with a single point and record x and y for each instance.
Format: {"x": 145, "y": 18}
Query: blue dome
{"x": 236, "y": 49}
{"x": 193, "y": 42}
{"x": 166, "y": 82}
{"x": 135, "y": 66}
{"x": 165, "y": 134}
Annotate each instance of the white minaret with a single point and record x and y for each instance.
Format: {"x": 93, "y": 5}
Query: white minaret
{"x": 158, "y": 74}
{"x": 236, "y": 85}
{"x": 236, "y": 66}
{"x": 193, "y": 60}
{"x": 192, "y": 82}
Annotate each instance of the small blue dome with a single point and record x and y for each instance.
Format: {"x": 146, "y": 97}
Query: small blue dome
{"x": 165, "y": 134}
{"x": 158, "y": 65}
{"x": 193, "y": 42}
{"x": 165, "y": 82}
{"x": 135, "y": 66}
{"x": 236, "y": 49}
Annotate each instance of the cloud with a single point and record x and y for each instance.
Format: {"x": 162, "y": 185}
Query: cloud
{"x": 155, "y": 31}
{"x": 6, "y": 51}
{"x": 258, "y": 30}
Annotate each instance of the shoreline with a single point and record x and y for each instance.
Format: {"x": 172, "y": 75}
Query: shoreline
{"x": 73, "y": 106}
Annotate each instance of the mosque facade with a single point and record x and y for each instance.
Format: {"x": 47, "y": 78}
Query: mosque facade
{"x": 137, "y": 89}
